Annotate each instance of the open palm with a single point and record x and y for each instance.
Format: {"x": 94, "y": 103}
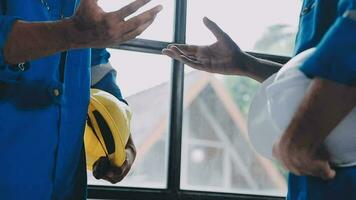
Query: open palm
{"x": 223, "y": 57}
{"x": 96, "y": 28}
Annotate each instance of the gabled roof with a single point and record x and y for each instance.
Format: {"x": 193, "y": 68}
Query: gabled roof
{"x": 151, "y": 111}
{"x": 151, "y": 107}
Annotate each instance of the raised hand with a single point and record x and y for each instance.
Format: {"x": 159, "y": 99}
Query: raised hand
{"x": 92, "y": 27}
{"x": 223, "y": 57}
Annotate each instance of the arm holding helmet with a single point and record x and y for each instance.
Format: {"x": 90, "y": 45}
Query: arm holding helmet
{"x": 104, "y": 78}
{"x": 331, "y": 97}
{"x": 300, "y": 149}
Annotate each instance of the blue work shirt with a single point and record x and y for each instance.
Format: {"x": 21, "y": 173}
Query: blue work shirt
{"x": 325, "y": 24}
{"x": 41, "y": 152}
{"x": 329, "y": 26}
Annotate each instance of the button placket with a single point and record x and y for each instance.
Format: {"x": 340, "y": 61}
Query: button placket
{"x": 56, "y": 92}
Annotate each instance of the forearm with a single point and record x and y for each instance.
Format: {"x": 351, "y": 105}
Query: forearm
{"x": 322, "y": 109}
{"x": 260, "y": 69}
{"x": 28, "y": 41}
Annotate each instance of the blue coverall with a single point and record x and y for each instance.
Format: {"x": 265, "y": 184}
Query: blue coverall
{"x": 41, "y": 149}
{"x": 329, "y": 26}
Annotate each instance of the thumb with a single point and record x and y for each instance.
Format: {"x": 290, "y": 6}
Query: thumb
{"x": 324, "y": 170}
{"x": 322, "y": 156}
{"x": 214, "y": 28}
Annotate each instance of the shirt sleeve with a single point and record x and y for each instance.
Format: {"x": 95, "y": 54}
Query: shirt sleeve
{"x": 103, "y": 75}
{"x": 335, "y": 56}
{"x": 6, "y": 24}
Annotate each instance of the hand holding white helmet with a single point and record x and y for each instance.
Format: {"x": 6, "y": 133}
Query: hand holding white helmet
{"x": 277, "y": 101}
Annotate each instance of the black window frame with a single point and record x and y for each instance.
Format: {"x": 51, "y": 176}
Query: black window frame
{"x": 173, "y": 191}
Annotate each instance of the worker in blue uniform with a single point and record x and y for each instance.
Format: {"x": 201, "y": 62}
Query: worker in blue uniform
{"x": 43, "y": 106}
{"x": 330, "y": 26}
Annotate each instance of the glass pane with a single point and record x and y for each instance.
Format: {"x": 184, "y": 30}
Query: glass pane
{"x": 216, "y": 153}
{"x": 145, "y": 82}
{"x": 161, "y": 29}
{"x": 208, "y": 158}
{"x": 260, "y": 26}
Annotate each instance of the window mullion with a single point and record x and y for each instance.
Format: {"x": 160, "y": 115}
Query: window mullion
{"x": 176, "y": 115}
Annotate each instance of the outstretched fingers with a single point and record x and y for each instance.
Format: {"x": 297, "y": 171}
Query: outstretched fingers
{"x": 189, "y": 50}
{"x": 142, "y": 19}
{"x": 130, "y": 8}
{"x": 182, "y": 52}
{"x": 173, "y": 53}
{"x": 136, "y": 32}
{"x": 191, "y": 61}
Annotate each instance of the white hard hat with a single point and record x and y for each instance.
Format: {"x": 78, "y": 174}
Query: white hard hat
{"x": 275, "y": 103}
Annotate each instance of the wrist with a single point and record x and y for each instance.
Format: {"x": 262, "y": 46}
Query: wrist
{"x": 260, "y": 69}
{"x": 301, "y": 137}
{"x": 240, "y": 63}
{"x": 63, "y": 29}
{"x": 251, "y": 66}
{"x": 72, "y": 36}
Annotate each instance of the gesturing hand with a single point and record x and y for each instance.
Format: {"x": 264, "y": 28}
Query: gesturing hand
{"x": 223, "y": 57}
{"x": 94, "y": 28}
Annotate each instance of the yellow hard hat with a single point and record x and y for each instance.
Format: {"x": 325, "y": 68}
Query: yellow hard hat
{"x": 107, "y": 129}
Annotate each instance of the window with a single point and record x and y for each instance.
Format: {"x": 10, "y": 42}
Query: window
{"x": 267, "y": 27}
{"x": 214, "y": 120}
{"x": 216, "y": 153}
{"x": 189, "y": 126}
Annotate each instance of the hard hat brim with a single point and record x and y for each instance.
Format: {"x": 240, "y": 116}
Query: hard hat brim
{"x": 262, "y": 132}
